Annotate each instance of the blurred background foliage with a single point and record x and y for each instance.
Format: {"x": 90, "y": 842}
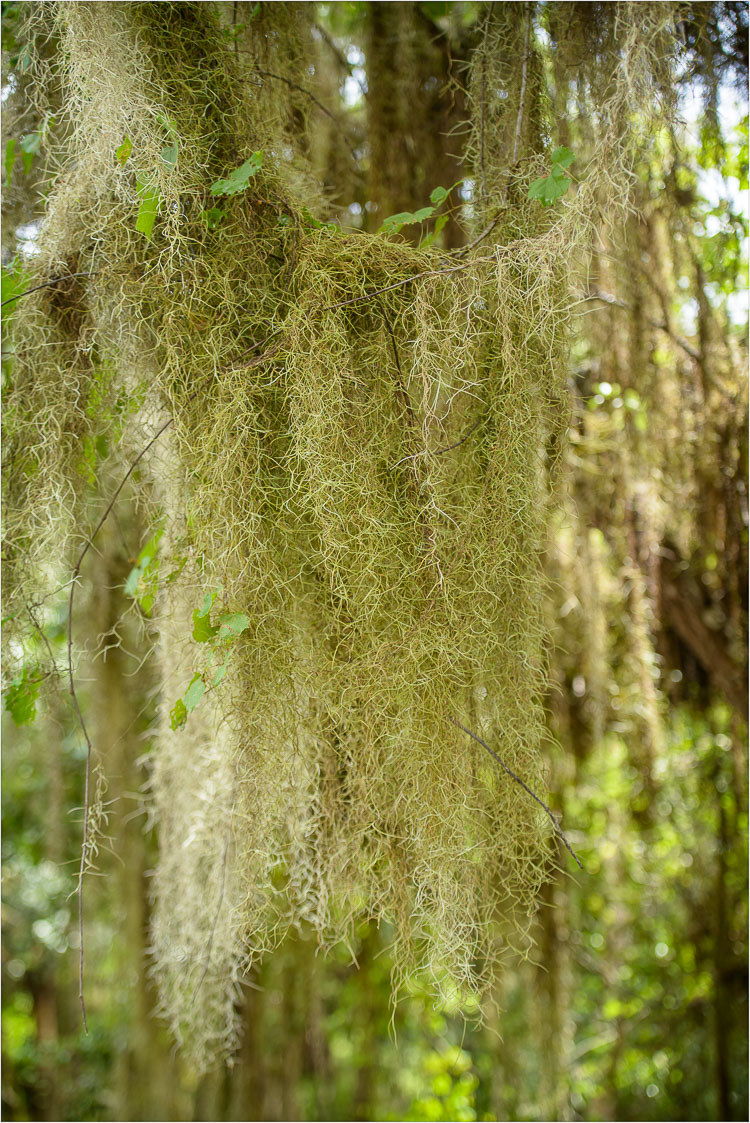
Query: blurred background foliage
{"x": 633, "y": 1003}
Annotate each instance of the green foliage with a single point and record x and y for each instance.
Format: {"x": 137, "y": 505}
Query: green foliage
{"x": 30, "y": 146}
{"x": 228, "y": 628}
{"x": 15, "y": 280}
{"x": 148, "y": 208}
{"x": 178, "y": 715}
{"x": 122, "y": 154}
{"x": 169, "y": 154}
{"x": 20, "y": 696}
{"x": 383, "y": 573}
{"x": 239, "y": 179}
{"x": 438, "y": 196}
{"x": 194, "y": 693}
{"x": 142, "y": 583}
{"x": 552, "y": 187}
{"x": 203, "y": 629}
{"x": 406, "y": 218}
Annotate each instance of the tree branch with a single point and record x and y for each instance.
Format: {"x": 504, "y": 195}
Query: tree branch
{"x": 525, "y": 787}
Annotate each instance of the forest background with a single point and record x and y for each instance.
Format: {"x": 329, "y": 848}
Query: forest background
{"x": 632, "y": 1000}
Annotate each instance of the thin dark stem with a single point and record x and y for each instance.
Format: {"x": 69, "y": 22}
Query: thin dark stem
{"x": 480, "y": 237}
{"x": 525, "y": 787}
{"x": 40, "y": 630}
{"x": 481, "y": 105}
{"x": 402, "y": 391}
{"x": 405, "y": 281}
{"x": 522, "y": 96}
{"x": 323, "y": 109}
{"x": 46, "y": 284}
{"x": 73, "y": 584}
{"x": 440, "y": 451}
{"x": 89, "y": 748}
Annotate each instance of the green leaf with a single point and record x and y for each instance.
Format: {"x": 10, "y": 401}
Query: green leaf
{"x": 212, "y": 217}
{"x": 169, "y": 155}
{"x": 143, "y": 580}
{"x": 21, "y": 696}
{"x": 148, "y": 552}
{"x": 194, "y": 693}
{"x": 14, "y": 282}
{"x": 232, "y": 32}
{"x": 233, "y": 625}
{"x": 148, "y": 209}
{"x": 178, "y": 714}
{"x": 203, "y": 629}
{"x": 182, "y": 562}
{"x": 133, "y": 581}
{"x": 122, "y": 154}
{"x": 562, "y": 157}
{"x": 220, "y": 672}
{"x": 549, "y": 189}
{"x": 439, "y": 224}
{"x": 439, "y": 195}
{"x": 205, "y": 608}
{"x": 31, "y": 146}
{"x": 239, "y": 179}
{"x": 23, "y": 60}
{"x": 167, "y": 123}
{"x": 10, "y": 158}
{"x": 405, "y": 218}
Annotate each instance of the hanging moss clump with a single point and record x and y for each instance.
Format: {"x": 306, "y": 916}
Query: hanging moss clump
{"x": 351, "y": 500}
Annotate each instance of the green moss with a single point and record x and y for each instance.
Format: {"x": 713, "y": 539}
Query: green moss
{"x": 356, "y": 461}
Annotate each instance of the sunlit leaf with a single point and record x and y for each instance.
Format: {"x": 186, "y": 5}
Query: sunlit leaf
{"x": 147, "y": 210}
{"x": 405, "y": 218}
{"x": 219, "y": 675}
{"x": 233, "y": 625}
{"x": 205, "y": 608}
{"x": 178, "y": 714}
{"x": 122, "y": 154}
{"x": 194, "y": 693}
{"x": 562, "y": 157}
{"x": 239, "y": 179}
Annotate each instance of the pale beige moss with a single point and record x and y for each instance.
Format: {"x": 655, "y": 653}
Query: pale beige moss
{"x": 391, "y": 584}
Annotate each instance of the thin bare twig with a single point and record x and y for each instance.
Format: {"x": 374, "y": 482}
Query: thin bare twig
{"x": 616, "y": 302}
{"x": 89, "y": 747}
{"x": 440, "y": 451}
{"x": 403, "y": 393}
{"x": 525, "y": 787}
{"x": 467, "y": 434}
{"x": 522, "y": 98}
{"x": 73, "y": 584}
{"x": 482, "y": 91}
{"x": 323, "y": 109}
{"x": 405, "y": 281}
{"x": 480, "y": 237}
{"x": 46, "y": 284}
